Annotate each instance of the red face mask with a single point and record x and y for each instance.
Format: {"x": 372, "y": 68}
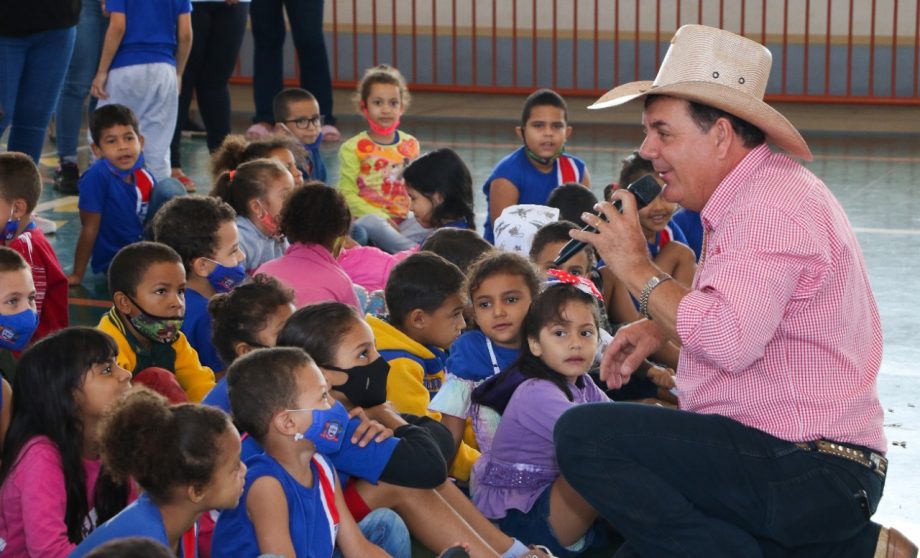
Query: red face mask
{"x": 377, "y": 128}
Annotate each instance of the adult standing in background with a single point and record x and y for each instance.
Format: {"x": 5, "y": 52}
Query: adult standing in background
{"x": 36, "y": 41}
{"x": 218, "y": 27}
{"x": 268, "y": 32}
{"x": 68, "y": 116}
{"x": 778, "y": 449}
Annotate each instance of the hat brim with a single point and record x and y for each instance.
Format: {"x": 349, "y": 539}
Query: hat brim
{"x": 777, "y": 129}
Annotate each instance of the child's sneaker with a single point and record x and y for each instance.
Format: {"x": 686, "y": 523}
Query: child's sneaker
{"x": 46, "y": 225}
{"x": 67, "y": 178}
{"x": 258, "y": 131}
{"x": 331, "y": 133}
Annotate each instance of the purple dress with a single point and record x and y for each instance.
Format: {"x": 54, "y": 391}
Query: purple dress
{"x": 522, "y": 463}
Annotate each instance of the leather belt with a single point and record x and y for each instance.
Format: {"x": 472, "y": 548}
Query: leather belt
{"x": 868, "y": 459}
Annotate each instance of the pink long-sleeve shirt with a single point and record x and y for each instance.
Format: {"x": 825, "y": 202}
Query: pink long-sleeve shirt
{"x": 313, "y": 274}
{"x": 781, "y": 331}
{"x": 33, "y": 502}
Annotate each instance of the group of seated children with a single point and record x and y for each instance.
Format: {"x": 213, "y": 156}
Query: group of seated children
{"x": 367, "y": 384}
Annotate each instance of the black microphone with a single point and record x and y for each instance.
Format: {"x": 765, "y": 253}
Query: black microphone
{"x": 645, "y": 189}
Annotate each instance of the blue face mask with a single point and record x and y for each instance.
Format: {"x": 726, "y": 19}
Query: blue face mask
{"x": 224, "y": 279}
{"x": 328, "y": 429}
{"x": 127, "y": 173}
{"x": 17, "y": 329}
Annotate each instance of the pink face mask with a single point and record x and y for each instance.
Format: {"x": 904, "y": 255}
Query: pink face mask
{"x": 269, "y": 223}
{"x": 377, "y": 128}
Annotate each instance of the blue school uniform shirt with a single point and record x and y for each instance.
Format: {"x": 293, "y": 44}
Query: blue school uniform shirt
{"x": 365, "y": 463}
{"x": 150, "y": 30}
{"x": 122, "y": 209}
{"x": 470, "y": 359}
{"x": 197, "y": 329}
{"x": 141, "y": 518}
{"x": 690, "y": 224}
{"x": 312, "y": 514}
{"x": 534, "y": 187}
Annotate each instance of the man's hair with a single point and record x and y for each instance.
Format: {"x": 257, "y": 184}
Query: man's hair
{"x": 131, "y": 263}
{"x": 19, "y": 178}
{"x": 281, "y": 104}
{"x": 543, "y": 98}
{"x": 108, "y": 116}
{"x": 422, "y": 281}
{"x": 705, "y": 116}
{"x": 261, "y": 383}
{"x": 189, "y": 225}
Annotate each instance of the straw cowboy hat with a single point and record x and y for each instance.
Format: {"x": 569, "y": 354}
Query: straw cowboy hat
{"x": 720, "y": 69}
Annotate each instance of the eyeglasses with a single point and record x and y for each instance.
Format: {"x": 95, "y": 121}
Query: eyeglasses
{"x": 303, "y": 122}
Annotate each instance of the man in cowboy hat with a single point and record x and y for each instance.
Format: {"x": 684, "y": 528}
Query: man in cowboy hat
{"x": 779, "y": 446}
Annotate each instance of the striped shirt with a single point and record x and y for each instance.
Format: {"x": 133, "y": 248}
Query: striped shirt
{"x": 781, "y": 331}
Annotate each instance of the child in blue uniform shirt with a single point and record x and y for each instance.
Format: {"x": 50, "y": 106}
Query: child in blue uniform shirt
{"x": 185, "y": 457}
{"x": 292, "y": 503}
{"x": 297, "y": 113}
{"x": 530, "y": 173}
{"x": 118, "y": 196}
{"x": 203, "y": 231}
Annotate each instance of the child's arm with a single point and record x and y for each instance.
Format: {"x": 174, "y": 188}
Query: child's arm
{"x": 502, "y": 193}
{"x": 195, "y": 378}
{"x": 586, "y": 179}
{"x": 678, "y": 261}
{"x": 113, "y": 36}
{"x": 184, "y": 44}
{"x": 267, "y": 508}
{"x": 6, "y": 399}
{"x": 456, "y": 426}
{"x": 350, "y": 540}
{"x": 89, "y": 230}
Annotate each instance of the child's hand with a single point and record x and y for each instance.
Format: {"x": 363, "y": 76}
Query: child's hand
{"x": 369, "y": 430}
{"x": 661, "y": 377}
{"x": 98, "y": 88}
{"x": 73, "y": 280}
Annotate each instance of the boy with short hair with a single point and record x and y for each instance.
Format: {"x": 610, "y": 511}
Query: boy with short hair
{"x": 203, "y": 231}
{"x": 425, "y": 299}
{"x": 117, "y": 194}
{"x": 147, "y": 282}
{"x": 20, "y": 188}
{"x": 297, "y": 113}
{"x": 143, "y": 56}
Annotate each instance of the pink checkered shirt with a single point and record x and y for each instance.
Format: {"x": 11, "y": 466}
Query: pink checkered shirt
{"x": 781, "y": 331}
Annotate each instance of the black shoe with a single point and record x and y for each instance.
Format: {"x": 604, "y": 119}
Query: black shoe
{"x": 67, "y": 178}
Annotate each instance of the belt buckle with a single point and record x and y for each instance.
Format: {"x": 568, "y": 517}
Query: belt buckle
{"x": 879, "y": 464}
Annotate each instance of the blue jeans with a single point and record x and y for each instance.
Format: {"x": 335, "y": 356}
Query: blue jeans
{"x": 385, "y": 529}
{"x": 675, "y": 483}
{"x": 31, "y": 72}
{"x": 306, "y": 19}
{"x": 79, "y": 77}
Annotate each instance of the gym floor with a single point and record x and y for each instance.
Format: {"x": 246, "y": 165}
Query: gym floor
{"x": 868, "y": 156}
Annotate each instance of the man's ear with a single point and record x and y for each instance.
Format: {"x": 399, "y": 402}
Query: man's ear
{"x": 122, "y": 302}
{"x": 724, "y": 135}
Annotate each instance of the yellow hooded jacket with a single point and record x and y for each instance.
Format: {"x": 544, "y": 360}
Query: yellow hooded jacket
{"x": 416, "y": 375}
{"x": 196, "y": 379}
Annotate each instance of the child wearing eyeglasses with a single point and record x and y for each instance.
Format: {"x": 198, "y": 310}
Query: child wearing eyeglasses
{"x": 297, "y": 114}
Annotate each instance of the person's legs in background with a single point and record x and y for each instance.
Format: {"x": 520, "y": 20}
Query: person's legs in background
{"x": 268, "y": 34}
{"x": 31, "y": 73}
{"x": 69, "y": 112}
{"x": 307, "y": 31}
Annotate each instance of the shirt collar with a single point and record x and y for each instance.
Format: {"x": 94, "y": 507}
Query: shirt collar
{"x": 721, "y": 199}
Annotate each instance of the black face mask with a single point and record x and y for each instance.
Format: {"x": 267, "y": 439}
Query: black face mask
{"x": 366, "y": 385}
